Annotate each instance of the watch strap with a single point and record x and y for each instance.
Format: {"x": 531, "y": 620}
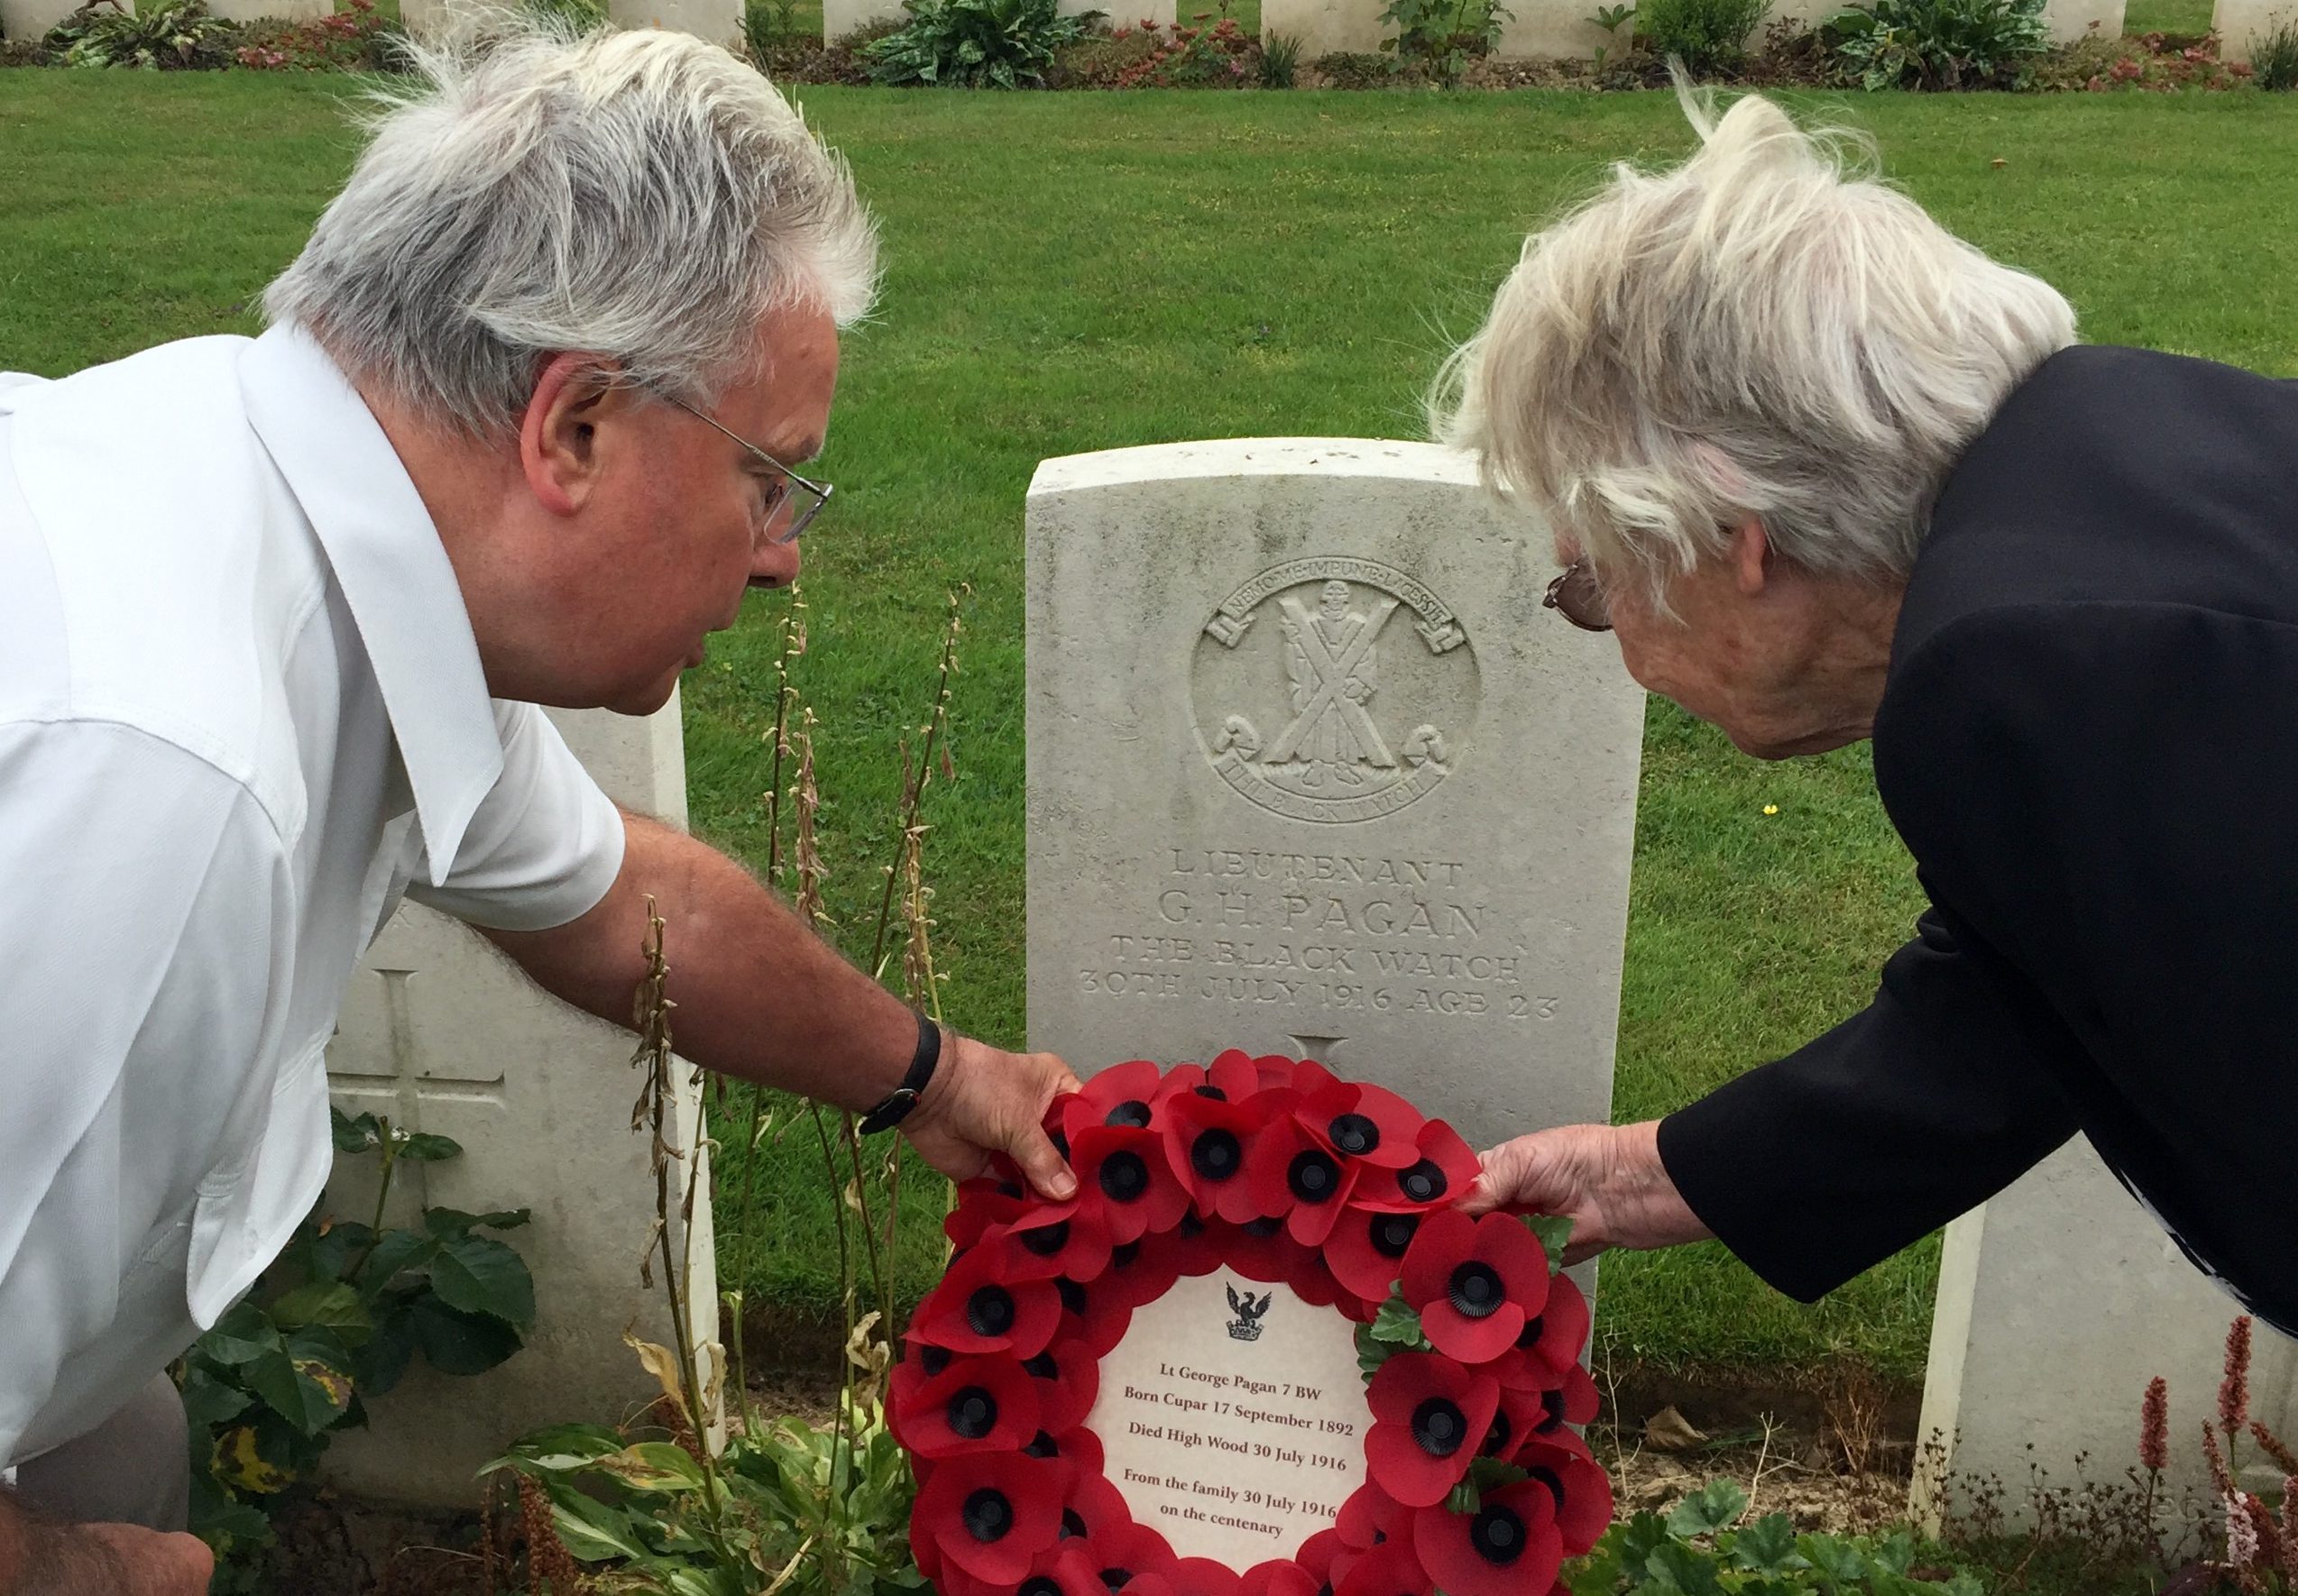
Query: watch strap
{"x": 897, "y": 1104}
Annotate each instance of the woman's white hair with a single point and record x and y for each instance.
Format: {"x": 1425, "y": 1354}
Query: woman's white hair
{"x": 1767, "y": 331}
{"x": 641, "y": 195}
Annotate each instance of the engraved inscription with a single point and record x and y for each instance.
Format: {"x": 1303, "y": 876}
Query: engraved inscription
{"x": 1336, "y": 709}
{"x": 1312, "y": 933}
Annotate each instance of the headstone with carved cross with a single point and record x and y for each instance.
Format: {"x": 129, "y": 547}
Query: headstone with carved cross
{"x": 442, "y": 1034}
{"x": 1312, "y": 772}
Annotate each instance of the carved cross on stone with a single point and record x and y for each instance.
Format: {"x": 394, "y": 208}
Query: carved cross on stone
{"x": 1319, "y": 1048}
{"x": 378, "y": 1062}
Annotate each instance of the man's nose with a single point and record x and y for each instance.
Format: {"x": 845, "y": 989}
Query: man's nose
{"x": 775, "y": 565}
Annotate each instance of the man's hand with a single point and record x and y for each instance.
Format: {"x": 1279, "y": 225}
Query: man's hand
{"x": 39, "y": 1556}
{"x": 982, "y": 1101}
{"x": 1606, "y": 1179}
{"x": 155, "y": 1564}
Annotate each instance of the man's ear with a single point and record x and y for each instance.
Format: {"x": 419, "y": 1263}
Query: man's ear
{"x": 1750, "y": 556}
{"x": 558, "y": 436}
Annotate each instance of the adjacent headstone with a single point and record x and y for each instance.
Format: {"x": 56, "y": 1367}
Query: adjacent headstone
{"x": 30, "y": 19}
{"x": 285, "y": 11}
{"x": 1324, "y": 27}
{"x": 2058, "y": 1301}
{"x": 1312, "y": 772}
{"x": 842, "y": 18}
{"x": 444, "y": 1035}
{"x": 2072, "y": 21}
{"x": 718, "y": 20}
{"x": 2242, "y": 25}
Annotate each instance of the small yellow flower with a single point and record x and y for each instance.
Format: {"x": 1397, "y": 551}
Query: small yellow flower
{"x": 1772, "y": 809}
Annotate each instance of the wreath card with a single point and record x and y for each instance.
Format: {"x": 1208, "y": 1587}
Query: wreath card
{"x": 1261, "y": 1353}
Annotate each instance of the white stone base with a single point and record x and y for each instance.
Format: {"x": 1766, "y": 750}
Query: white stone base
{"x": 2241, "y": 24}
{"x": 718, "y": 20}
{"x": 2072, "y": 21}
{"x": 30, "y": 20}
{"x": 1324, "y": 27}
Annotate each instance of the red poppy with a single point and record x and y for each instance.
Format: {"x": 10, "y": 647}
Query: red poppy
{"x": 1519, "y": 1418}
{"x": 1474, "y": 1282}
{"x": 984, "y": 1203}
{"x": 1141, "y": 1271}
{"x": 1314, "y": 1283}
{"x": 1444, "y": 1170}
{"x": 1508, "y": 1546}
{"x": 1551, "y": 1342}
{"x": 1280, "y": 1577}
{"x": 975, "y": 1310}
{"x": 1195, "y": 1247}
{"x": 989, "y": 1518}
{"x": 983, "y": 1404}
{"x": 1057, "y": 1240}
{"x": 1562, "y": 1465}
{"x": 1203, "y": 1576}
{"x": 1322, "y": 1555}
{"x": 1064, "y": 1571}
{"x": 1392, "y": 1569}
{"x": 1429, "y": 1415}
{"x": 1358, "y": 1120}
{"x": 1067, "y": 1378}
{"x": 1117, "y": 1097}
{"x": 1206, "y": 1142}
{"x": 1092, "y": 1506}
{"x": 1259, "y": 1250}
{"x": 1078, "y": 1448}
{"x": 1233, "y": 1076}
{"x": 1366, "y": 1251}
{"x": 1095, "y": 1316}
{"x": 1121, "y": 1550}
{"x": 1370, "y": 1518}
{"x": 1294, "y": 1179}
{"x": 1124, "y": 1181}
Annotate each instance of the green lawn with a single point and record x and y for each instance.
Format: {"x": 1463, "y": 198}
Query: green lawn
{"x": 1073, "y": 272}
{"x": 2167, "y": 16}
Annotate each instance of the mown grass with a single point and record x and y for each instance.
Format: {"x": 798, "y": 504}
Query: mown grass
{"x": 1075, "y": 272}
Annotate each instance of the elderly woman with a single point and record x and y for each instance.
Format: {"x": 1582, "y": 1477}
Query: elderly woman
{"x": 1827, "y": 472}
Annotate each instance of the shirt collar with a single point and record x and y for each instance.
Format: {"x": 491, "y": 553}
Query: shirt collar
{"x": 394, "y": 574}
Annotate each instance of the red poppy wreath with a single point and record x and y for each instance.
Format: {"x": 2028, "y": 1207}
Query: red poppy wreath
{"x": 1276, "y": 1173}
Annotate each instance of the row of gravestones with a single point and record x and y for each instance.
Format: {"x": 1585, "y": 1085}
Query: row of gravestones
{"x": 1309, "y": 772}
{"x": 1540, "y": 28}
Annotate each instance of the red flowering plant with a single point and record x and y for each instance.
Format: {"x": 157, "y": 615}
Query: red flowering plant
{"x": 1279, "y": 1173}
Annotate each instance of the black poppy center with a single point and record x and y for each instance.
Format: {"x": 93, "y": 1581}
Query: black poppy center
{"x": 1072, "y": 1296}
{"x": 1122, "y": 1255}
{"x": 1355, "y": 1134}
{"x": 1042, "y": 1367}
{"x": 1040, "y": 1586}
{"x": 1116, "y": 1578}
{"x": 1423, "y": 1182}
{"x": 1192, "y": 1226}
{"x": 1217, "y": 1155}
{"x": 1392, "y": 1233}
{"x": 1041, "y": 1446}
{"x": 972, "y": 1412}
{"x": 1547, "y": 1477}
{"x": 990, "y": 1311}
{"x": 1215, "y": 1092}
{"x": 1060, "y": 1141}
{"x": 1498, "y": 1535}
{"x": 1072, "y": 1525}
{"x": 988, "y": 1515}
{"x": 1497, "y": 1438}
{"x": 1313, "y": 1177}
{"x": 934, "y": 1359}
{"x": 1552, "y": 1402}
{"x": 1125, "y": 1177}
{"x": 1529, "y": 1337}
{"x": 1475, "y": 1290}
{"x": 1133, "y": 1112}
{"x": 1047, "y": 1239}
{"x": 1439, "y": 1426}
{"x": 1262, "y": 1228}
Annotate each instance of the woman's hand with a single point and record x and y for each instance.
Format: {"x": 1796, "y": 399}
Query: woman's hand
{"x": 1606, "y": 1179}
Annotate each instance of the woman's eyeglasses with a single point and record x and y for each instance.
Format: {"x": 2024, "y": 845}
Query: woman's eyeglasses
{"x": 1576, "y": 596}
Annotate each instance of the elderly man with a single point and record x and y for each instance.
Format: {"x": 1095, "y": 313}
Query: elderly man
{"x": 1827, "y": 473}
{"x": 274, "y": 619}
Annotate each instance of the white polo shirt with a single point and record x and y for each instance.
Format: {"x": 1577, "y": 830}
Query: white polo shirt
{"x": 241, "y": 715}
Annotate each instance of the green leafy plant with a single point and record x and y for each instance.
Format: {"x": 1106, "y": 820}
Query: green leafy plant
{"x": 975, "y": 43}
{"x": 1701, "y": 1549}
{"x": 1443, "y": 36}
{"x": 168, "y": 36}
{"x": 334, "y": 1323}
{"x": 2273, "y": 55}
{"x": 1609, "y": 18}
{"x": 1209, "y": 50}
{"x": 1938, "y": 44}
{"x": 1704, "y": 34}
{"x": 1280, "y": 59}
{"x": 582, "y": 16}
{"x": 355, "y": 38}
{"x": 768, "y": 23}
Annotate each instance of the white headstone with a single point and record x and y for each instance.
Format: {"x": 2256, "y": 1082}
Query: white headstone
{"x": 2241, "y": 25}
{"x": 718, "y": 20}
{"x": 285, "y": 11}
{"x": 443, "y": 1034}
{"x": 2058, "y": 1301}
{"x": 32, "y": 19}
{"x": 2072, "y": 21}
{"x": 1312, "y": 772}
{"x": 1324, "y": 27}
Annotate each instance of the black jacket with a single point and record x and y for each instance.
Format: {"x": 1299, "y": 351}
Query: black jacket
{"x": 2089, "y": 740}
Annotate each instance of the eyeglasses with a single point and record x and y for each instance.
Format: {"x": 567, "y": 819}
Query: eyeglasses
{"x": 1575, "y": 595}
{"x": 778, "y": 490}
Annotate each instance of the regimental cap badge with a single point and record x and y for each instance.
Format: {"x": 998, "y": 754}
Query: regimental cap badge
{"x": 1247, "y": 1326}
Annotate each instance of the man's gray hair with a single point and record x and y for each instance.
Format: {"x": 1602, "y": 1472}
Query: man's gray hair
{"x": 640, "y": 196}
{"x": 1766, "y": 330}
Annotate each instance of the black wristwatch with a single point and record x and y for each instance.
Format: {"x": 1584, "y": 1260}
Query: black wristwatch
{"x": 898, "y": 1103}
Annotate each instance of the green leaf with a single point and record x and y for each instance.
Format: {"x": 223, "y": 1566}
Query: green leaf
{"x": 654, "y": 1465}
{"x": 378, "y": 1364}
{"x": 1835, "y": 1558}
{"x": 1686, "y": 1569}
{"x": 593, "y": 1530}
{"x": 1768, "y": 1545}
{"x": 1715, "y": 1506}
{"x": 332, "y": 1303}
{"x": 1399, "y": 1322}
{"x": 398, "y": 1252}
{"x": 506, "y": 1218}
{"x": 208, "y": 1402}
{"x": 557, "y": 1449}
{"x": 459, "y": 1342}
{"x": 424, "y": 1148}
{"x": 481, "y": 1276}
{"x": 309, "y": 1391}
{"x": 1554, "y": 1231}
{"x": 355, "y": 1136}
{"x": 244, "y": 1333}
